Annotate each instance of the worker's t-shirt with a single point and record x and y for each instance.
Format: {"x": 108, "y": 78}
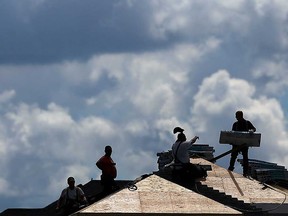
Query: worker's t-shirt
{"x": 72, "y": 194}
{"x": 107, "y": 165}
{"x": 243, "y": 125}
{"x": 182, "y": 153}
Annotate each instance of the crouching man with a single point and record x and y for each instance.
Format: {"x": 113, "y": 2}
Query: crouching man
{"x": 180, "y": 151}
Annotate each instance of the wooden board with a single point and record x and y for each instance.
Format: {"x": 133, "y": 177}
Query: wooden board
{"x": 239, "y": 138}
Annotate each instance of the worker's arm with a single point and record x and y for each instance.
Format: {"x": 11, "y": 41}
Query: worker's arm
{"x": 193, "y": 140}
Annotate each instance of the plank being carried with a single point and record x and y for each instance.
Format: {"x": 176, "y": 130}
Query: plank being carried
{"x": 240, "y": 138}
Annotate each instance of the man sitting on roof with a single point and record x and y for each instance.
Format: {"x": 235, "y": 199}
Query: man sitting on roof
{"x": 180, "y": 152}
{"x": 71, "y": 199}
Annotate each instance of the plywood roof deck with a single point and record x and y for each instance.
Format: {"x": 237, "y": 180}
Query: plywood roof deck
{"x": 236, "y": 185}
{"x": 269, "y": 198}
{"x": 155, "y": 195}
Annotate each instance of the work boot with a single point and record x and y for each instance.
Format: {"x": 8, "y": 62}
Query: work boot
{"x": 230, "y": 168}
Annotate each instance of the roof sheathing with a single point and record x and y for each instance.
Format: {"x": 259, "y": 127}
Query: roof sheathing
{"x": 245, "y": 189}
{"x": 155, "y": 195}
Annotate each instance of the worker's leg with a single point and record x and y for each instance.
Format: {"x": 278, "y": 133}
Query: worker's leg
{"x": 196, "y": 171}
{"x": 234, "y": 155}
{"x": 245, "y": 160}
{"x": 107, "y": 183}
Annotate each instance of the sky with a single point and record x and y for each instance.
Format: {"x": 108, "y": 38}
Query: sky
{"x": 78, "y": 75}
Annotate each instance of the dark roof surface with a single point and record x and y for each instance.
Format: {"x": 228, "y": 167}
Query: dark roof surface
{"x": 92, "y": 190}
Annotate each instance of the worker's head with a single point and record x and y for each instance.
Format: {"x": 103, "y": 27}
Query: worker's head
{"x": 239, "y": 115}
{"x": 108, "y": 150}
{"x": 71, "y": 182}
{"x": 177, "y": 130}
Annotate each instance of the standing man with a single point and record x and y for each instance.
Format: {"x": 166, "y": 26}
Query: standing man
{"x": 241, "y": 125}
{"x": 109, "y": 171}
{"x": 71, "y": 199}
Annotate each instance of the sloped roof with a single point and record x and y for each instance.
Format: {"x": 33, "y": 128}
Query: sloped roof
{"x": 157, "y": 195}
{"x": 222, "y": 193}
{"x": 92, "y": 190}
{"x": 236, "y": 185}
{"x": 267, "y": 197}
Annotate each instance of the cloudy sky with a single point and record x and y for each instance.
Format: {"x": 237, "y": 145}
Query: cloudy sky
{"x": 78, "y": 75}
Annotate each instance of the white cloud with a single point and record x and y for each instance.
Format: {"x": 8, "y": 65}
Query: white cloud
{"x": 150, "y": 80}
{"x": 275, "y": 73}
{"x": 191, "y": 18}
{"x": 220, "y": 92}
{"x": 7, "y": 96}
{"x": 137, "y": 127}
{"x": 51, "y": 141}
{"x": 137, "y": 163}
{"x": 6, "y": 188}
{"x": 45, "y": 146}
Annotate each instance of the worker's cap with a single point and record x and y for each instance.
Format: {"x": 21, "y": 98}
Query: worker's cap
{"x": 178, "y": 129}
{"x": 70, "y": 179}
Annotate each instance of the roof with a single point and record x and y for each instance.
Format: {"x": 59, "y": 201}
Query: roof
{"x": 92, "y": 190}
{"x": 246, "y": 189}
{"x": 222, "y": 193}
{"x": 157, "y": 195}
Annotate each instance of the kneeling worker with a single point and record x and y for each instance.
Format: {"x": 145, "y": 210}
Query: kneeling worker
{"x": 180, "y": 151}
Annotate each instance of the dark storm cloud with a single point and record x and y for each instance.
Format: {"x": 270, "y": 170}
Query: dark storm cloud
{"x": 55, "y": 30}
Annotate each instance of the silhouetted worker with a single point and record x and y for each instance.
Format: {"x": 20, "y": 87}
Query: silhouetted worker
{"x": 109, "y": 171}
{"x": 71, "y": 199}
{"x": 180, "y": 151}
{"x": 241, "y": 125}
